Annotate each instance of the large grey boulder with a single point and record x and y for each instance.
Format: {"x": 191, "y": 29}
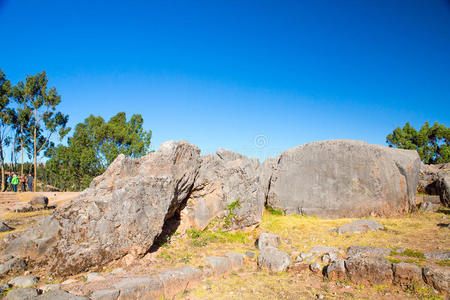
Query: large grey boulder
{"x": 11, "y": 265}
{"x": 121, "y": 213}
{"x": 438, "y": 277}
{"x": 224, "y": 178}
{"x": 28, "y": 293}
{"x": 60, "y": 295}
{"x": 406, "y": 274}
{"x": 343, "y": 178}
{"x": 438, "y": 255}
{"x": 24, "y": 281}
{"x": 443, "y": 185}
{"x": 372, "y": 270}
{"x": 360, "y": 226}
{"x": 268, "y": 240}
{"x": 39, "y": 200}
{"x": 362, "y": 251}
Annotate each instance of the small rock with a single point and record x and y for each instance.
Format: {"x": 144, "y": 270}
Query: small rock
{"x": 237, "y": 260}
{"x": 406, "y": 274}
{"x": 109, "y": 294}
{"x": 250, "y": 254}
{"x": 336, "y": 270}
{"x": 22, "y": 294}
{"x": 442, "y": 255}
{"x": 50, "y": 287}
{"x": 320, "y": 296}
{"x": 326, "y": 259}
{"x": 69, "y": 281}
{"x": 299, "y": 268}
{"x": 13, "y": 265}
{"x": 438, "y": 277}
{"x": 367, "y": 251}
{"x": 4, "y": 227}
{"x": 319, "y": 249}
{"x": 268, "y": 240}
{"x": 39, "y": 200}
{"x": 219, "y": 264}
{"x": 93, "y": 277}
{"x": 333, "y": 256}
{"x": 315, "y": 267}
{"x": 360, "y": 226}
{"x": 60, "y": 295}
{"x": 4, "y": 287}
{"x": 401, "y": 250}
{"x": 24, "y": 281}
{"x": 305, "y": 255}
{"x": 273, "y": 259}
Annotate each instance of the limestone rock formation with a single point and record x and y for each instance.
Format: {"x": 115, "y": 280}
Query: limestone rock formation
{"x": 443, "y": 185}
{"x": 121, "y": 213}
{"x": 343, "y": 178}
{"x": 224, "y": 178}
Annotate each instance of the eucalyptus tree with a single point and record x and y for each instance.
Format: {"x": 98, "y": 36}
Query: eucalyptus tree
{"x": 6, "y": 117}
{"x": 41, "y": 102}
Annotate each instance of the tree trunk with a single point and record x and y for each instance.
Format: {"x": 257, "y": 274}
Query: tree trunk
{"x": 35, "y": 154}
{"x": 21, "y": 150}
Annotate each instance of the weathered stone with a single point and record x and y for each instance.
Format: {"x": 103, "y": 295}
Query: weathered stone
{"x": 428, "y": 206}
{"x": 60, "y": 295}
{"x": 406, "y": 274}
{"x": 440, "y": 255}
{"x": 4, "y": 227}
{"x": 175, "y": 280}
{"x": 22, "y": 294}
{"x": 224, "y": 178}
{"x": 319, "y": 249}
{"x": 250, "y": 254}
{"x": 69, "y": 281}
{"x": 140, "y": 288}
{"x": 336, "y": 270}
{"x": 50, "y": 287}
{"x": 438, "y": 277}
{"x": 299, "y": 267}
{"x": 360, "y": 226}
{"x": 315, "y": 267}
{"x": 268, "y": 240}
{"x": 94, "y": 277}
{"x": 39, "y": 200}
{"x": 109, "y": 294}
{"x": 443, "y": 185}
{"x": 367, "y": 251}
{"x": 219, "y": 264}
{"x": 121, "y": 213}
{"x": 237, "y": 260}
{"x": 4, "y": 287}
{"x": 273, "y": 259}
{"x": 344, "y": 178}
{"x": 372, "y": 270}
{"x": 13, "y": 265}
{"x": 326, "y": 259}
{"x": 24, "y": 281}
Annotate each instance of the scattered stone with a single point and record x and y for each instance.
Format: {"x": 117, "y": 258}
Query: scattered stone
{"x": 140, "y": 288}
{"x": 13, "y": 265}
{"x": 39, "y": 200}
{"x": 94, "y": 277}
{"x": 5, "y": 228}
{"x": 326, "y": 259}
{"x": 268, "y": 240}
{"x": 273, "y": 259}
{"x": 60, "y": 295}
{"x": 109, "y": 294}
{"x": 219, "y": 264}
{"x": 333, "y": 256}
{"x": 237, "y": 260}
{"x": 336, "y": 270}
{"x": 372, "y": 270}
{"x": 69, "y": 281}
{"x": 250, "y": 254}
{"x": 406, "y": 274}
{"x": 22, "y": 294}
{"x": 319, "y": 249}
{"x": 305, "y": 255}
{"x": 401, "y": 250}
{"x": 299, "y": 268}
{"x": 443, "y": 255}
{"x": 360, "y": 226}
{"x": 343, "y": 178}
{"x": 24, "y": 281}
{"x": 320, "y": 296}
{"x": 4, "y": 287}
{"x": 179, "y": 278}
{"x": 50, "y": 287}
{"x": 438, "y": 277}
{"x": 315, "y": 267}
{"x": 367, "y": 251}
{"x": 443, "y": 185}
{"x": 428, "y": 206}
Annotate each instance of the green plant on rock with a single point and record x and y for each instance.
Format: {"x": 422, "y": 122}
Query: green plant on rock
{"x": 230, "y": 216}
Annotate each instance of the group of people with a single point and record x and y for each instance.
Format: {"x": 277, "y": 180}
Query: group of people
{"x": 13, "y": 180}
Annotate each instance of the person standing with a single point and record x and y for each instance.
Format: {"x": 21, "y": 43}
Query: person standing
{"x": 15, "y": 182}
{"x": 30, "y": 182}
{"x": 23, "y": 180}
{"x": 8, "y": 182}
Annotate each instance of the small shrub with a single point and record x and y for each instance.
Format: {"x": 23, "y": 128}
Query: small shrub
{"x": 274, "y": 211}
{"x": 410, "y": 253}
{"x": 444, "y": 263}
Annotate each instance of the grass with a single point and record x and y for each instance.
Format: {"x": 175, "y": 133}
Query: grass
{"x": 26, "y": 219}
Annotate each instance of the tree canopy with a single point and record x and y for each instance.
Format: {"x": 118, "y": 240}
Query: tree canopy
{"x": 94, "y": 145}
{"x": 432, "y": 143}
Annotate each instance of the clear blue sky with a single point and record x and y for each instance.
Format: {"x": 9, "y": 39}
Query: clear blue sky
{"x": 220, "y": 73}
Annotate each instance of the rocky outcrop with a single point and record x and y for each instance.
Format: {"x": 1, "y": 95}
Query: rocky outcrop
{"x": 343, "y": 178}
{"x": 443, "y": 186}
{"x": 359, "y": 226}
{"x": 225, "y": 178}
{"x": 435, "y": 180}
{"x": 121, "y": 213}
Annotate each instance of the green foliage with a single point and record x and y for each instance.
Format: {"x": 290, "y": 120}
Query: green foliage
{"x": 432, "y": 143}
{"x": 201, "y": 238}
{"x": 444, "y": 263}
{"x": 409, "y": 253}
{"x": 94, "y": 145}
{"x": 274, "y": 211}
{"x": 230, "y": 216}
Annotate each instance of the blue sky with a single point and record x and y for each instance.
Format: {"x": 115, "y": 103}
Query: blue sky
{"x": 224, "y": 73}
